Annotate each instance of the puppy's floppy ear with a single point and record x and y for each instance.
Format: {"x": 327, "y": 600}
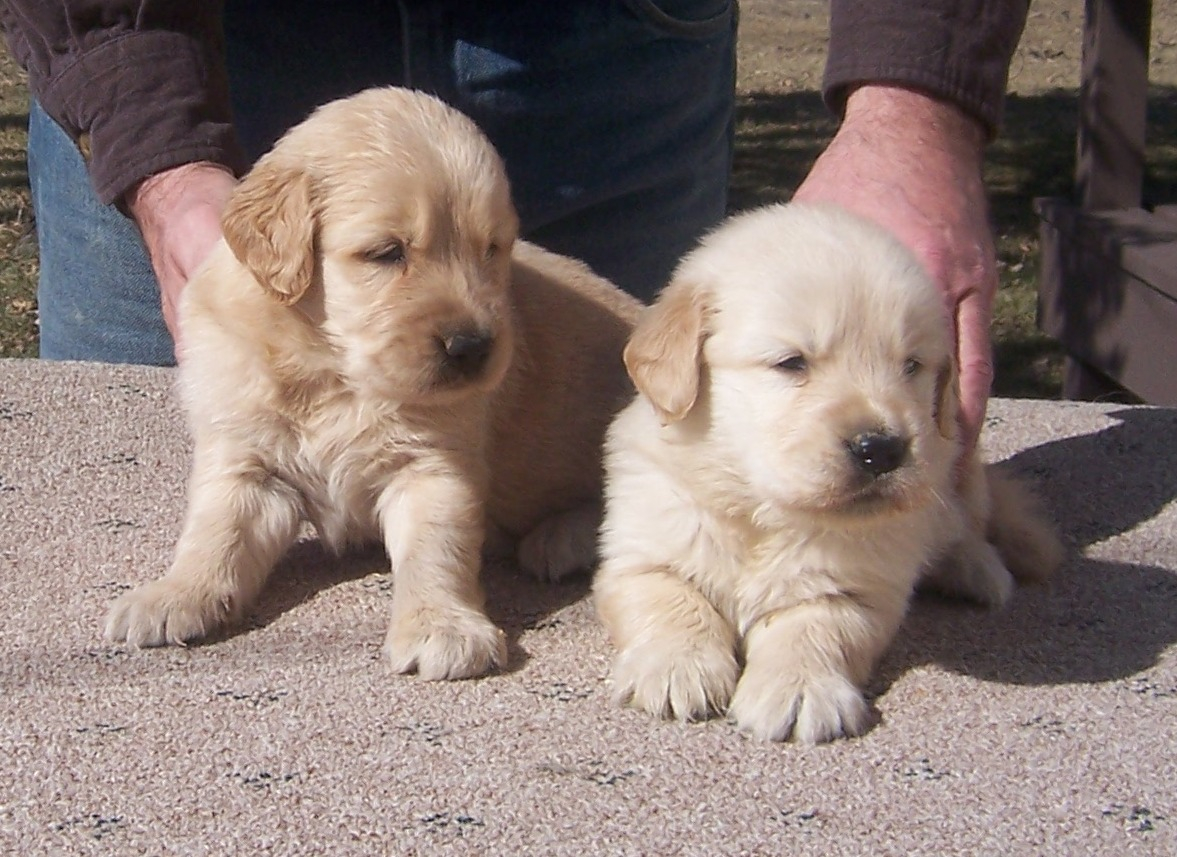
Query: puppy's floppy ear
{"x": 946, "y": 408}
{"x": 664, "y": 354}
{"x": 269, "y": 224}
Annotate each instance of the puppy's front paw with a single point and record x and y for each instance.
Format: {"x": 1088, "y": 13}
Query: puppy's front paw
{"x": 165, "y": 612}
{"x": 562, "y": 545}
{"x": 810, "y": 710}
{"x": 445, "y": 644}
{"x": 688, "y": 682}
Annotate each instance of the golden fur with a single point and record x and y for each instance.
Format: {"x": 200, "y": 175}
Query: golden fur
{"x": 787, "y": 473}
{"x": 371, "y": 349}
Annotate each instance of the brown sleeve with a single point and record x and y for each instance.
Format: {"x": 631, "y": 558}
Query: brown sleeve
{"x": 141, "y": 86}
{"x": 956, "y": 49}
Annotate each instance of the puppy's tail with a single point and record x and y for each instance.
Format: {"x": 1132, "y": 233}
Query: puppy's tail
{"x": 1019, "y": 528}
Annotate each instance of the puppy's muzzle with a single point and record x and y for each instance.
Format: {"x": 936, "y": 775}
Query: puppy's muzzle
{"x": 464, "y": 354}
{"x": 877, "y": 453}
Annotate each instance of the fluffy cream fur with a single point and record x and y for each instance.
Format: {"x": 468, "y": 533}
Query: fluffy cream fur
{"x": 786, "y": 476}
{"x": 371, "y": 348}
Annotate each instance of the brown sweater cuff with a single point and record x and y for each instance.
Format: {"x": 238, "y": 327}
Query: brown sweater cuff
{"x": 146, "y": 102}
{"x": 959, "y": 50}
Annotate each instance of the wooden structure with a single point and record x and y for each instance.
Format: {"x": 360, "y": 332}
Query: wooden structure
{"x": 1108, "y": 283}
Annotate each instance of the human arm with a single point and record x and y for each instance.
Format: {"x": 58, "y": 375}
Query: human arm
{"x": 921, "y": 88}
{"x": 141, "y": 88}
{"x": 140, "y": 85}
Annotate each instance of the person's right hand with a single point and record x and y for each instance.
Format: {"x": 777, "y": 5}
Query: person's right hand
{"x": 179, "y": 214}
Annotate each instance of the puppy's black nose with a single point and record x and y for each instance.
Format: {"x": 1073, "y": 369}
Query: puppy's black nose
{"x": 877, "y": 453}
{"x": 466, "y": 353}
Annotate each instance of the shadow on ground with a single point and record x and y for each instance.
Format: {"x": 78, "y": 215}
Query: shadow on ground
{"x": 1098, "y": 620}
{"x": 516, "y": 602}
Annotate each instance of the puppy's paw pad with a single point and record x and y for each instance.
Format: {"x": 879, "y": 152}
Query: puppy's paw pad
{"x": 689, "y": 683}
{"x": 164, "y": 613}
{"x": 809, "y": 711}
{"x": 561, "y": 545}
{"x": 445, "y": 644}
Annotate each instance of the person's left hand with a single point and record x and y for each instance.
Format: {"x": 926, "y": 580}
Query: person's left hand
{"x": 913, "y": 164}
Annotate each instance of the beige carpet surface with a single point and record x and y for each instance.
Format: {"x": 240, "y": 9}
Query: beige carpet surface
{"x": 1047, "y": 728}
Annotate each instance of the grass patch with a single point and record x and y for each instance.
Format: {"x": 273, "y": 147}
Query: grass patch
{"x": 18, "y": 250}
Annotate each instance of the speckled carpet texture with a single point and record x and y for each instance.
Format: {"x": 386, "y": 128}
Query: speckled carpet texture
{"x": 1049, "y": 728}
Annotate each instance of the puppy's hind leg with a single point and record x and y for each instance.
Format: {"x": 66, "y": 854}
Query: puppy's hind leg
{"x": 433, "y": 530}
{"x": 1006, "y": 538}
{"x": 969, "y": 566}
{"x": 239, "y": 522}
{"x": 971, "y": 569}
{"x": 1020, "y": 530}
{"x": 563, "y": 544}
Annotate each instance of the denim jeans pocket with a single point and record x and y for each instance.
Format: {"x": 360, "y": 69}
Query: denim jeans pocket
{"x": 688, "y": 19}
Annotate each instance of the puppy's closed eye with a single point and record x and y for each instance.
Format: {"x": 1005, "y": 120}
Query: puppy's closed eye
{"x": 390, "y": 253}
{"x": 794, "y": 364}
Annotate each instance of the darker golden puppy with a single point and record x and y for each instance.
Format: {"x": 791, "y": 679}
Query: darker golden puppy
{"x": 371, "y": 349}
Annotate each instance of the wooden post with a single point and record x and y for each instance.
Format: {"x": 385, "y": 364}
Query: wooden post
{"x": 1113, "y": 100}
{"x": 1113, "y": 103}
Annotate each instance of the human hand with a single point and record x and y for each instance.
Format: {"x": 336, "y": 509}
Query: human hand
{"x": 913, "y": 163}
{"x": 179, "y": 215}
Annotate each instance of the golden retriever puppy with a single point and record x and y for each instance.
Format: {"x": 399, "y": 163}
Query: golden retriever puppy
{"x": 371, "y": 349}
{"x": 787, "y": 474}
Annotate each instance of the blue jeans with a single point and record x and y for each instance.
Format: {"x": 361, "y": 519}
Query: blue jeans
{"x": 614, "y": 118}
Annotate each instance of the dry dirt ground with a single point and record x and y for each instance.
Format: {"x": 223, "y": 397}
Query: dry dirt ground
{"x": 782, "y": 46}
{"x": 782, "y": 52}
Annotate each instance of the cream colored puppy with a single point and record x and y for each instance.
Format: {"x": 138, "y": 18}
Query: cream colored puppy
{"x": 786, "y": 476}
{"x": 371, "y": 349}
